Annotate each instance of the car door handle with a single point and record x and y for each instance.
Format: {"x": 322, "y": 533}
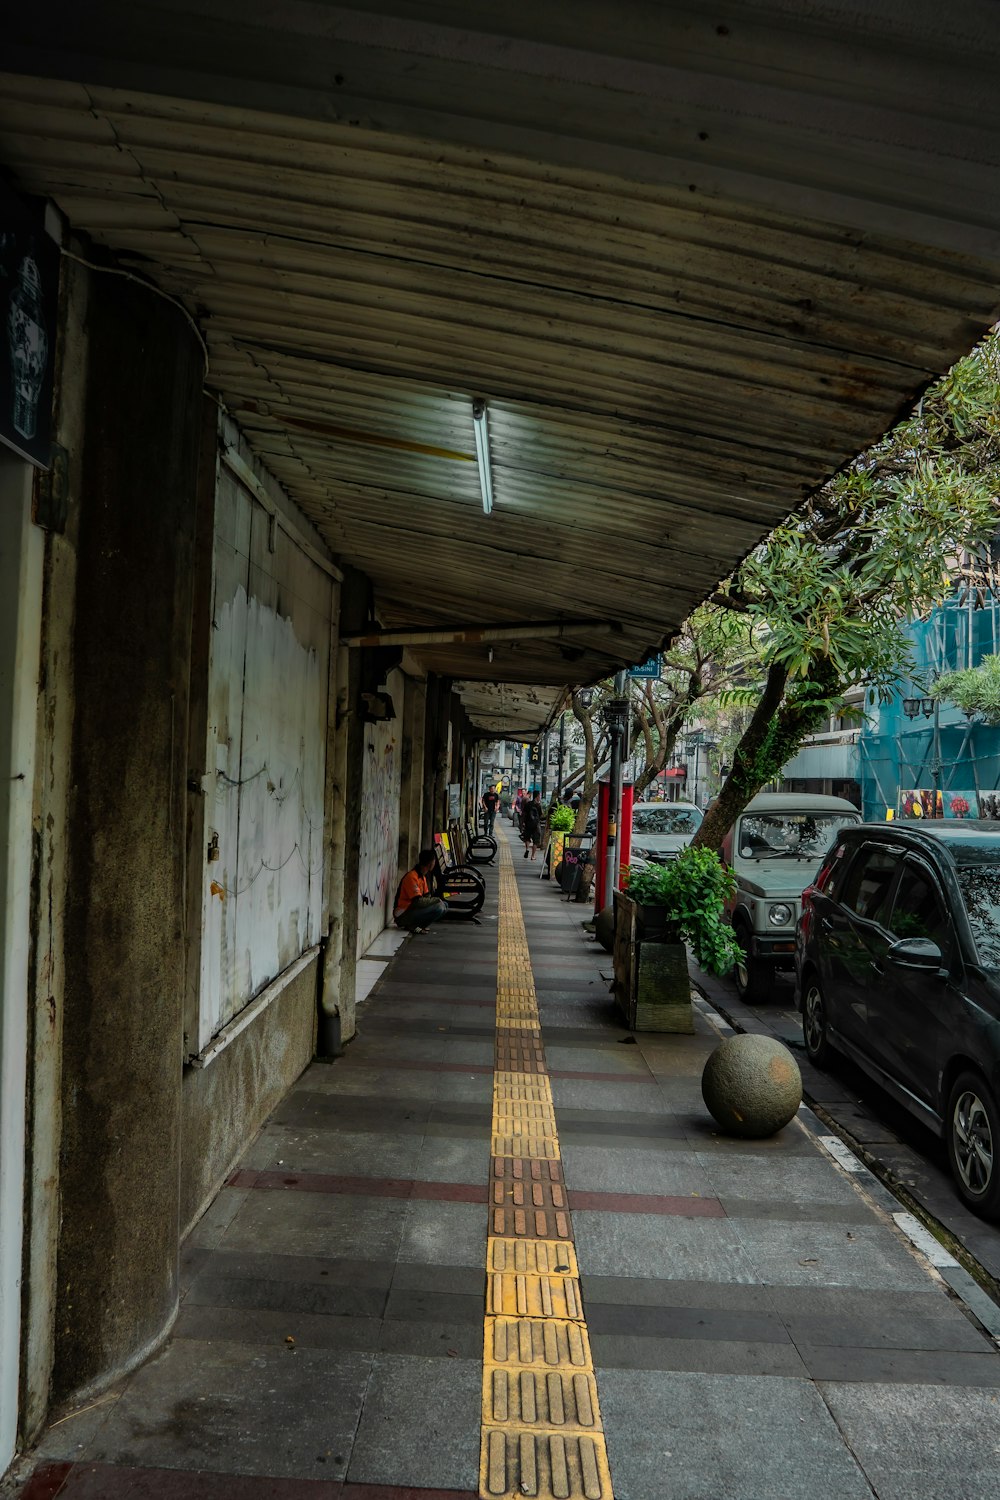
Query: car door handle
{"x": 877, "y": 969}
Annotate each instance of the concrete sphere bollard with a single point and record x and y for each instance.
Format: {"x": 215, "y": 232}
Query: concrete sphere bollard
{"x": 752, "y": 1085}
{"x": 604, "y": 929}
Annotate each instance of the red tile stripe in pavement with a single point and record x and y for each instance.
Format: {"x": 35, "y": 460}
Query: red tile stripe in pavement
{"x": 362, "y": 1187}
{"x": 470, "y": 1192}
{"x": 86, "y": 1481}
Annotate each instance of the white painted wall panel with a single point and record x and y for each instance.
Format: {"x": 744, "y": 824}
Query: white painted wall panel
{"x": 266, "y": 756}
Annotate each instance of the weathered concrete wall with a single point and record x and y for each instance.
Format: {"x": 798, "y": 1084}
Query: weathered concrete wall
{"x": 117, "y": 1264}
{"x": 225, "y": 1103}
{"x": 51, "y": 847}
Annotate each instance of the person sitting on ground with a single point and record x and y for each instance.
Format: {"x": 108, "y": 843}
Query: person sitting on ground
{"x": 490, "y": 801}
{"x": 414, "y": 908}
{"x": 531, "y": 825}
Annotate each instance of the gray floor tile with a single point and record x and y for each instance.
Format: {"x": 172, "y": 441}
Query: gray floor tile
{"x": 453, "y": 1159}
{"x": 231, "y": 1408}
{"x": 318, "y": 1224}
{"x": 802, "y": 1179}
{"x": 712, "y": 1357}
{"x": 647, "y": 1291}
{"x": 586, "y": 1094}
{"x": 661, "y": 1246}
{"x": 804, "y": 1253}
{"x": 349, "y": 1155}
{"x": 445, "y": 1234}
{"x": 602, "y": 1169}
{"x": 400, "y": 1084}
{"x": 696, "y": 1436}
{"x": 940, "y": 1367}
{"x": 922, "y": 1442}
{"x": 214, "y": 1223}
{"x": 273, "y": 1329}
{"x": 420, "y": 1424}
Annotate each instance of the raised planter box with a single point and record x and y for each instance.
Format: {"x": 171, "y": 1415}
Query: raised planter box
{"x": 652, "y": 987}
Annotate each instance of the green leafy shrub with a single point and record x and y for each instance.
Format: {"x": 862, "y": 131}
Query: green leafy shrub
{"x": 975, "y": 690}
{"x": 694, "y": 888}
{"x": 562, "y": 820}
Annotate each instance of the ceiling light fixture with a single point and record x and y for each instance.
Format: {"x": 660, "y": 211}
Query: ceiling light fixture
{"x": 483, "y": 452}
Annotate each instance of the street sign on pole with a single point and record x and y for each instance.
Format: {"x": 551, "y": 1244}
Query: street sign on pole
{"x": 651, "y": 668}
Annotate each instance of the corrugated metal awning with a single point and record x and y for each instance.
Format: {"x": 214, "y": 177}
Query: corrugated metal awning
{"x": 692, "y": 269}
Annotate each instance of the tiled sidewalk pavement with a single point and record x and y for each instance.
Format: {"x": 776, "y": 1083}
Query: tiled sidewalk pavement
{"x": 759, "y": 1330}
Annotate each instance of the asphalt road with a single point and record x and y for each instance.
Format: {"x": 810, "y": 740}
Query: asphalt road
{"x": 901, "y": 1150}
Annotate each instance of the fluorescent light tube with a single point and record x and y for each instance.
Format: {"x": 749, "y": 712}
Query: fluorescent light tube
{"x": 483, "y": 453}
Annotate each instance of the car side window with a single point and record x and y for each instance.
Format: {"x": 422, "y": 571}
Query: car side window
{"x": 833, "y": 875}
{"x": 918, "y": 910}
{"x": 869, "y": 880}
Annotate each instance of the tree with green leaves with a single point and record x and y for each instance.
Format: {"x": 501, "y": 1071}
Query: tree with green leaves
{"x": 827, "y": 595}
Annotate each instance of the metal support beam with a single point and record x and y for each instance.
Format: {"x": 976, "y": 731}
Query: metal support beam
{"x": 473, "y": 635}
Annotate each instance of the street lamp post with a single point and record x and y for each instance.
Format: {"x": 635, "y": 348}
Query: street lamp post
{"x": 693, "y": 742}
{"x": 929, "y": 708}
{"x": 616, "y": 719}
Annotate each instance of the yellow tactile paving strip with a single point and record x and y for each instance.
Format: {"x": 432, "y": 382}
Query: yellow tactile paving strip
{"x": 541, "y": 1432}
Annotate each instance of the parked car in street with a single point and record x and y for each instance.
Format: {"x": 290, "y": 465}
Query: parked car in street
{"x": 898, "y": 967}
{"x": 775, "y": 848}
{"x": 660, "y": 830}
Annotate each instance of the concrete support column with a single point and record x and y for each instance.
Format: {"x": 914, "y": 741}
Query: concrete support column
{"x": 344, "y": 790}
{"x": 412, "y": 772}
{"x": 117, "y": 1261}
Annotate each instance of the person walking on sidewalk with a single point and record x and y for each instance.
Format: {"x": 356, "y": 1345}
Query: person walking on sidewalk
{"x": 414, "y": 908}
{"x": 531, "y": 825}
{"x": 490, "y": 801}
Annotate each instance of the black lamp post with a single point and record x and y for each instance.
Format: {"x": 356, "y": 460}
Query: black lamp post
{"x": 929, "y": 708}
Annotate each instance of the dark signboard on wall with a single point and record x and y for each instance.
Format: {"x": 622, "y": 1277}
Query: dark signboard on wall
{"x": 29, "y": 297}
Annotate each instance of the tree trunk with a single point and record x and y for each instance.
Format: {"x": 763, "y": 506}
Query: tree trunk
{"x": 745, "y": 778}
{"x": 775, "y": 732}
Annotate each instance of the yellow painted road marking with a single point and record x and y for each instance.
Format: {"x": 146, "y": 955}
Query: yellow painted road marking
{"x": 541, "y": 1419}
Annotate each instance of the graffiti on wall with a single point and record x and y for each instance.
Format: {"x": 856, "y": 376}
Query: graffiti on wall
{"x": 377, "y": 873}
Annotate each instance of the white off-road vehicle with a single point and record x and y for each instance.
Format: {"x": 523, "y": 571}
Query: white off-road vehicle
{"x": 775, "y": 848}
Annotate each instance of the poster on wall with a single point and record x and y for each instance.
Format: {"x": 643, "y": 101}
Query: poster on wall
{"x": 454, "y": 801}
{"x": 29, "y": 300}
{"x": 962, "y": 803}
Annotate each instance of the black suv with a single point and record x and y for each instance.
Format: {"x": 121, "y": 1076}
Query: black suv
{"x": 897, "y": 965}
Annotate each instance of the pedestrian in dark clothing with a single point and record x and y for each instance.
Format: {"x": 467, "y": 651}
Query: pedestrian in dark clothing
{"x": 531, "y": 825}
{"x": 490, "y": 801}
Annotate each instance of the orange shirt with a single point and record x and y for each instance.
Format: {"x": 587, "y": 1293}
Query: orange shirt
{"x": 412, "y": 886}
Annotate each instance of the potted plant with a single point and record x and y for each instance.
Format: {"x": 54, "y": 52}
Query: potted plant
{"x": 560, "y": 823}
{"x": 684, "y": 901}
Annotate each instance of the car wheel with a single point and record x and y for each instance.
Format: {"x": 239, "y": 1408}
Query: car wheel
{"x": 751, "y": 977}
{"x": 814, "y": 1024}
{"x": 973, "y": 1124}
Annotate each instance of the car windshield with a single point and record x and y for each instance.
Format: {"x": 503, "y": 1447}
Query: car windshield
{"x": 788, "y": 835}
{"x": 665, "y": 818}
{"x": 980, "y": 886}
